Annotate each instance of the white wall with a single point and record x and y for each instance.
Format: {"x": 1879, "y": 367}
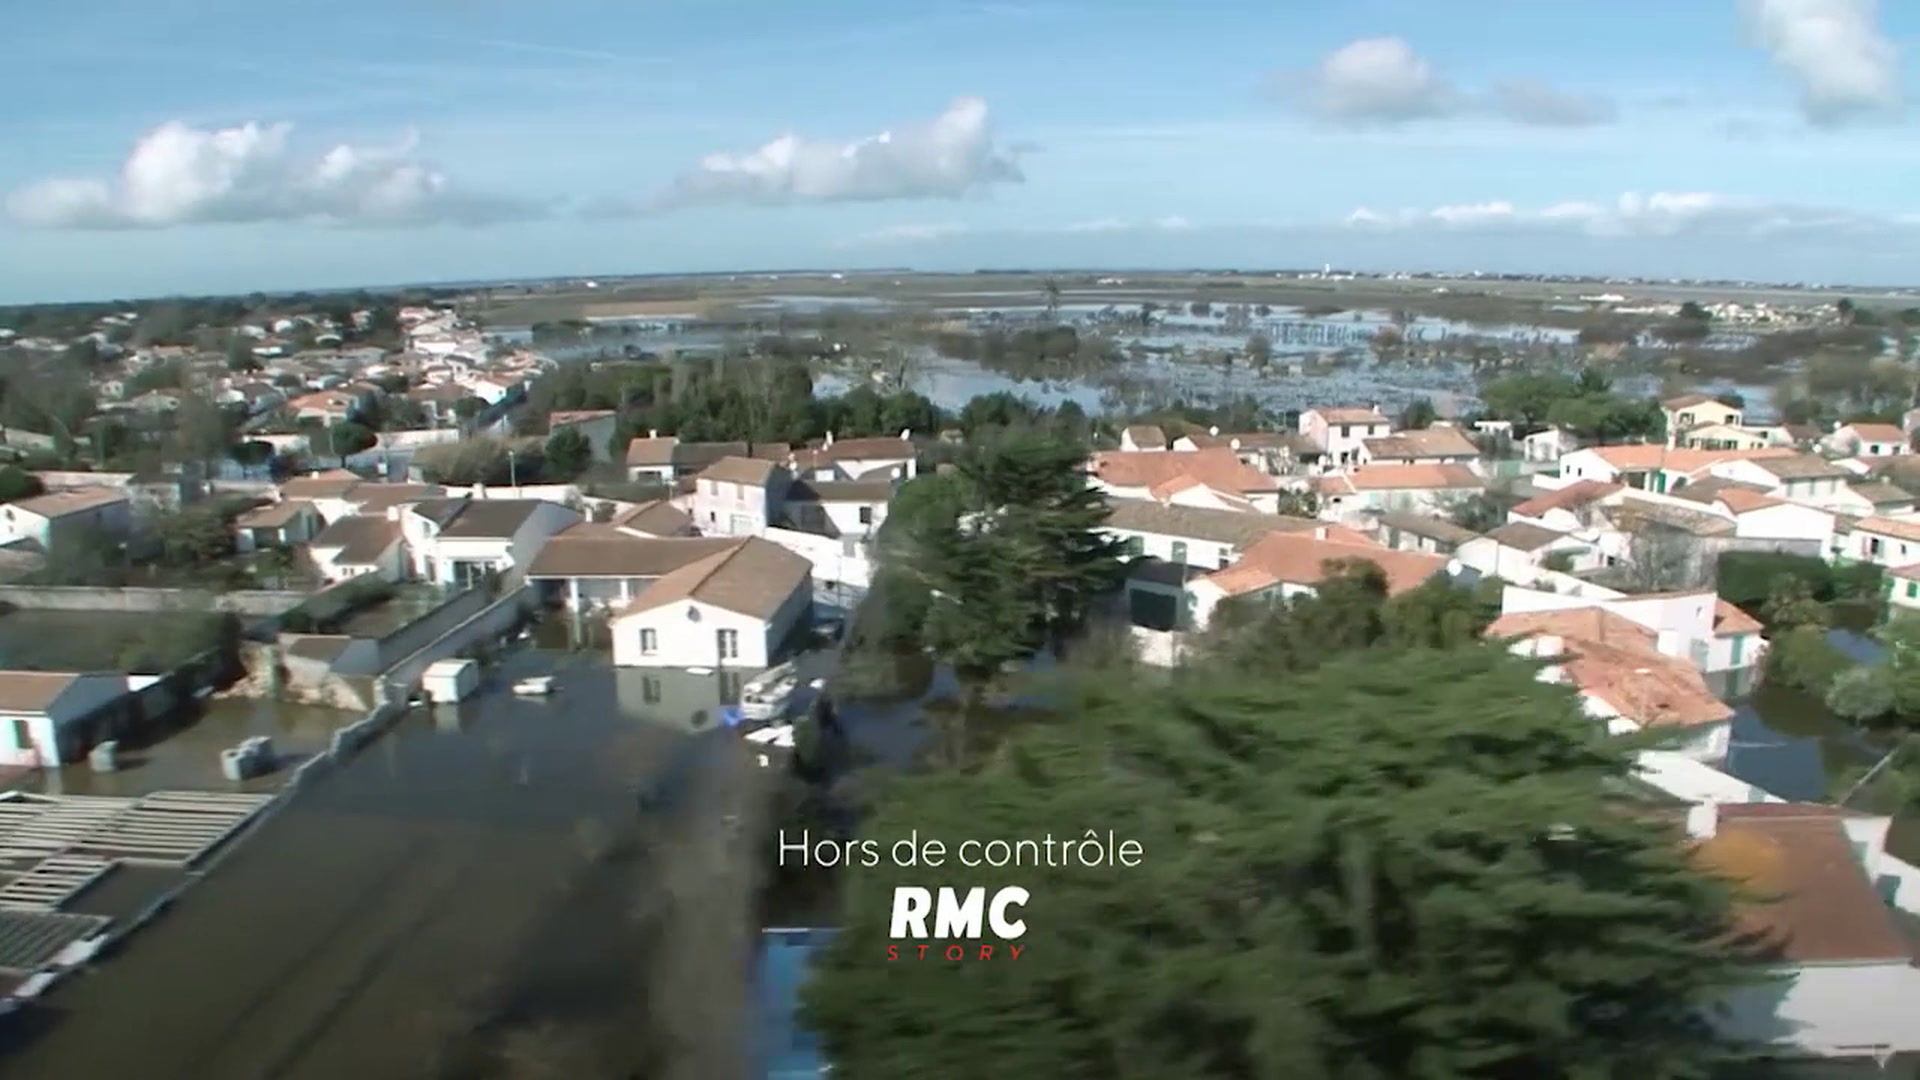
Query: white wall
{"x": 681, "y": 641}
{"x": 1203, "y": 553}
{"x": 80, "y": 699}
{"x": 391, "y": 564}
{"x": 843, "y": 561}
{"x": 723, "y": 508}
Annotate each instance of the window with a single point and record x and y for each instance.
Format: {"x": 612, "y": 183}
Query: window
{"x": 866, "y": 515}
{"x": 650, "y": 690}
{"x": 728, "y": 642}
{"x": 1136, "y": 546}
{"x": 1346, "y": 430}
{"x": 649, "y": 641}
{"x": 730, "y": 683}
{"x": 1913, "y": 590}
{"x": 1739, "y": 647}
{"x": 713, "y": 487}
{"x": 1179, "y": 551}
{"x": 1226, "y": 557}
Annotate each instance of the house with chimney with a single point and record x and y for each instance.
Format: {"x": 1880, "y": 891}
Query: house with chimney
{"x": 834, "y": 459}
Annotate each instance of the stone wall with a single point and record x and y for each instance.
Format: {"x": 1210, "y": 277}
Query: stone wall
{"x": 81, "y": 598}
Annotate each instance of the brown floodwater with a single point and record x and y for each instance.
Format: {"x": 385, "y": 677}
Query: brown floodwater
{"x": 475, "y": 894}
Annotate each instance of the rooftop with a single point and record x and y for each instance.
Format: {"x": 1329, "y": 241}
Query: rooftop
{"x": 59, "y": 504}
{"x": 1574, "y": 496}
{"x": 1234, "y": 527}
{"x": 1301, "y": 558}
{"x": 751, "y": 577}
{"x": 599, "y": 551}
{"x": 1218, "y": 468}
{"x": 1616, "y": 660}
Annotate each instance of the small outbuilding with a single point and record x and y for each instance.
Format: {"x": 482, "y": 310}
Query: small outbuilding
{"x": 447, "y": 682}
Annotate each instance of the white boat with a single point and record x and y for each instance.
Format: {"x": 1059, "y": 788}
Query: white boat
{"x": 768, "y": 694}
{"x": 538, "y": 686}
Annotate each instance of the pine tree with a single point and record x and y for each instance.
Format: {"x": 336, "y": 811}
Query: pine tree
{"x": 1391, "y": 867}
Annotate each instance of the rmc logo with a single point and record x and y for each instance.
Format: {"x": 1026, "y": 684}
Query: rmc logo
{"x": 955, "y": 917}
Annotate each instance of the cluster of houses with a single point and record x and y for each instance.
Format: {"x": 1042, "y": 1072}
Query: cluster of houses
{"x": 1605, "y": 569}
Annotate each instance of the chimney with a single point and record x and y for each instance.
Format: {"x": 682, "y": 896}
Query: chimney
{"x": 653, "y": 433}
{"x": 1703, "y": 820}
{"x": 1320, "y": 532}
{"x": 1548, "y": 645}
{"x": 829, "y": 438}
{"x": 1214, "y": 430}
{"x": 1670, "y": 644}
{"x": 906, "y": 434}
{"x": 1234, "y": 442}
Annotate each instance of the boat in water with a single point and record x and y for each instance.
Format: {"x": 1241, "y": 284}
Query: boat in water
{"x": 537, "y": 686}
{"x": 769, "y": 694}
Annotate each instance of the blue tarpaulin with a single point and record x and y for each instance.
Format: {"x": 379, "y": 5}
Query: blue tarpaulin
{"x": 789, "y": 1053}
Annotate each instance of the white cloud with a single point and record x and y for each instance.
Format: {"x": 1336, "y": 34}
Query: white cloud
{"x": 1844, "y": 65}
{"x": 1662, "y": 214}
{"x": 1383, "y": 80}
{"x": 907, "y": 234}
{"x": 180, "y": 175}
{"x": 952, "y": 156}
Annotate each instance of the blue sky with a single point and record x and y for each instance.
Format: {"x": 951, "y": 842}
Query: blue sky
{"x": 219, "y": 146}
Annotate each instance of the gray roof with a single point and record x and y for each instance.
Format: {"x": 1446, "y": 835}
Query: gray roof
{"x": 1433, "y": 528}
{"x": 1706, "y": 491}
{"x": 1524, "y": 536}
{"x": 1199, "y": 523}
{"x": 597, "y": 551}
{"x": 1802, "y": 467}
{"x": 857, "y": 491}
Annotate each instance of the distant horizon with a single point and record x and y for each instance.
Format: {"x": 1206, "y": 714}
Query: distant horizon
{"x": 479, "y": 284}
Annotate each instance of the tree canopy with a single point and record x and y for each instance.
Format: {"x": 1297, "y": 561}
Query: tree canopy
{"x": 1388, "y": 867}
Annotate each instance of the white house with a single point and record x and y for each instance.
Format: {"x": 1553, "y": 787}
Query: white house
{"x": 595, "y": 565}
{"x": 664, "y": 459}
{"x": 858, "y": 459}
{"x": 1157, "y": 476}
{"x": 355, "y": 546}
{"x": 1374, "y": 489}
{"x": 1340, "y": 433}
{"x": 1803, "y": 478}
{"x": 1549, "y": 445}
{"x": 1654, "y": 467}
{"x": 1519, "y": 551}
{"x": 1630, "y": 677}
{"x": 1903, "y": 587}
{"x": 459, "y": 541}
{"x": 1136, "y": 438}
{"x": 60, "y": 517}
{"x": 1282, "y": 565}
{"x": 50, "y": 718}
{"x": 276, "y": 524}
{"x": 1568, "y": 509}
{"x": 1694, "y": 410}
{"x": 737, "y": 607}
{"x": 1759, "y": 516}
{"x": 1885, "y": 541}
{"x": 1194, "y": 536}
{"x": 738, "y": 496}
{"x": 1822, "y": 899}
{"x": 1869, "y": 440}
{"x": 835, "y": 508}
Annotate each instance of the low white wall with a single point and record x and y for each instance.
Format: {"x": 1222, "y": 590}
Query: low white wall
{"x": 831, "y": 560}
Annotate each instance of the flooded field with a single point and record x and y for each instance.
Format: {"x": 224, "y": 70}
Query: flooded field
{"x": 474, "y": 894}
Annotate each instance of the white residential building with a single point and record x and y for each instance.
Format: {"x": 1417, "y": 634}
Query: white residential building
{"x": 459, "y": 541}
{"x": 735, "y": 608}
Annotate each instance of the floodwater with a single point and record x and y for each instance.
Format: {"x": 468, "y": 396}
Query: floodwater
{"x": 473, "y": 891}
{"x": 185, "y": 755}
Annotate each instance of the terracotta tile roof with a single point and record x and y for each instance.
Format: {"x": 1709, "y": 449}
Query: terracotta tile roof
{"x": 59, "y": 504}
{"x": 1618, "y": 661}
{"x": 331, "y": 484}
{"x": 1901, "y": 528}
{"x": 657, "y": 518}
{"x": 1879, "y": 433}
{"x": 1572, "y": 497}
{"x": 1728, "y": 619}
{"x": 1525, "y": 536}
{"x": 373, "y": 498}
{"x": 1200, "y": 523}
{"x": 600, "y": 551}
{"x": 844, "y": 491}
{"x": 1686, "y": 401}
{"x": 1351, "y": 416}
{"x": 1165, "y": 490}
{"x": 1634, "y": 514}
{"x": 1301, "y": 559}
{"x": 1419, "y": 477}
{"x": 1811, "y": 898}
{"x": 1218, "y": 468}
{"x": 1708, "y": 490}
{"x": 752, "y": 577}
{"x": 273, "y": 515}
{"x": 655, "y": 450}
{"x": 31, "y": 692}
{"x": 753, "y": 472}
{"x": 562, "y": 418}
{"x": 1641, "y": 457}
{"x": 1145, "y": 437}
{"x": 1250, "y": 440}
{"x": 1429, "y": 443}
{"x": 359, "y": 540}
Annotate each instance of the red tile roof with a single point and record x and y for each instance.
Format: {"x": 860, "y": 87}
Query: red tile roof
{"x": 1618, "y": 661}
{"x": 1302, "y": 559}
{"x": 1575, "y": 495}
{"x": 1220, "y": 469}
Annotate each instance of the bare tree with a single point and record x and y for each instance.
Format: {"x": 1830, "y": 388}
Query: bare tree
{"x": 1661, "y": 558}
